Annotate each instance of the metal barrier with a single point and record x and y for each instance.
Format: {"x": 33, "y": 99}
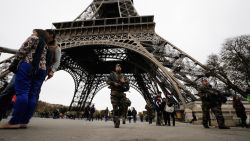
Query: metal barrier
{"x": 5, "y": 63}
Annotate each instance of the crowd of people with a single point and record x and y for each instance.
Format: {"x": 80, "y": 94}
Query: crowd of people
{"x": 165, "y": 110}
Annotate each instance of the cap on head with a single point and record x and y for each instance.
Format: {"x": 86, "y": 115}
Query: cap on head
{"x": 118, "y": 65}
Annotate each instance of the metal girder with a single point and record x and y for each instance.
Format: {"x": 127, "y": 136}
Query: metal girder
{"x": 132, "y": 44}
{"x": 97, "y": 9}
{"x": 7, "y": 50}
{"x": 5, "y": 75}
{"x": 144, "y": 87}
{"x": 126, "y": 8}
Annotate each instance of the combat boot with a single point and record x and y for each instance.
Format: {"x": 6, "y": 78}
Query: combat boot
{"x": 117, "y": 122}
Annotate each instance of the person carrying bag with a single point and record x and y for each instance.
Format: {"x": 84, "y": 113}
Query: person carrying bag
{"x": 169, "y": 111}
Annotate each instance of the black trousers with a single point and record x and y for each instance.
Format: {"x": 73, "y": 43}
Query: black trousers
{"x": 166, "y": 116}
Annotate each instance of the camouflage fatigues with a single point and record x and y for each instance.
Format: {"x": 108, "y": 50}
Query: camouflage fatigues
{"x": 118, "y": 97}
{"x": 118, "y": 102}
{"x": 150, "y": 115}
{"x": 217, "y": 112}
{"x": 212, "y": 101}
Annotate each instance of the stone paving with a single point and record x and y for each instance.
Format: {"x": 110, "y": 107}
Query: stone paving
{"x": 81, "y": 130}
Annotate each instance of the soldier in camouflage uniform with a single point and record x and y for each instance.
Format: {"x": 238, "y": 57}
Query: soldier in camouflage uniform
{"x": 211, "y": 100}
{"x": 149, "y": 109}
{"x": 118, "y": 84}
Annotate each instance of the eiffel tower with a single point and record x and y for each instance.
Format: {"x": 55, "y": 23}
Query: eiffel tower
{"x": 111, "y": 31}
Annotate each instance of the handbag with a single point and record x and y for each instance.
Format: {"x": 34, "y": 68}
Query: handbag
{"x": 169, "y": 109}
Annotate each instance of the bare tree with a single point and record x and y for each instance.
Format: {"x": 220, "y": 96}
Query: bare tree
{"x": 233, "y": 64}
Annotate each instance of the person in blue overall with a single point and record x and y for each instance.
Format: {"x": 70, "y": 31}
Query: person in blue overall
{"x": 53, "y": 62}
{"x": 29, "y": 77}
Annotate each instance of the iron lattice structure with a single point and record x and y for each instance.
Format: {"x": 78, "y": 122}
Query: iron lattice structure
{"x": 111, "y": 31}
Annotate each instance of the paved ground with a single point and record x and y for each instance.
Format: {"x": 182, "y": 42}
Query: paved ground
{"x": 78, "y": 130}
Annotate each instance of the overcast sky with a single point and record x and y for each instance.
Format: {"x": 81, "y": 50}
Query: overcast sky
{"x": 199, "y": 27}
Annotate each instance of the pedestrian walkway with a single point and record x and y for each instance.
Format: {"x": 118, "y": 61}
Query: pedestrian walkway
{"x": 81, "y": 130}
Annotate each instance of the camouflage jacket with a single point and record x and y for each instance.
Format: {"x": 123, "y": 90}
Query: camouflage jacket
{"x": 203, "y": 93}
{"x": 149, "y": 107}
{"x": 115, "y": 77}
{"x": 211, "y": 96}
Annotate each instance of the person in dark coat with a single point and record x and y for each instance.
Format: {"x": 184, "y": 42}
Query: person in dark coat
{"x": 106, "y": 114}
{"x": 129, "y": 115}
{"x": 240, "y": 110}
{"x": 134, "y": 114}
{"x": 87, "y": 112}
{"x": 168, "y": 110}
{"x": 92, "y": 111}
{"x": 158, "y": 108}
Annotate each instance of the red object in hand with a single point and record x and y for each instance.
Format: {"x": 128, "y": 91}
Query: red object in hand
{"x": 13, "y": 99}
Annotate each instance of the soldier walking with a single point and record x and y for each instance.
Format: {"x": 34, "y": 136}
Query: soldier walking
{"x": 118, "y": 84}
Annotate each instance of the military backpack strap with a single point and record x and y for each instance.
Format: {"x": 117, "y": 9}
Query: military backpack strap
{"x": 114, "y": 77}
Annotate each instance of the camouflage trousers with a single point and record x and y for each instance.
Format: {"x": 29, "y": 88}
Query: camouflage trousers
{"x": 150, "y": 116}
{"x": 217, "y": 112}
{"x": 125, "y": 111}
{"x": 118, "y": 101}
